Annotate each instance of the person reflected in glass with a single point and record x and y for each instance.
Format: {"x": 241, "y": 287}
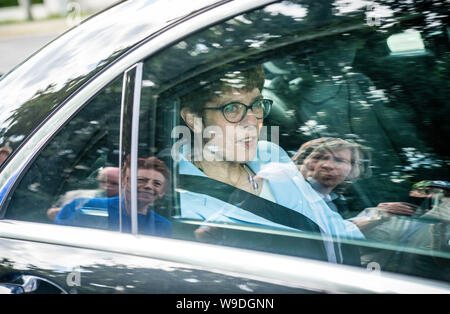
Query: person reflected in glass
{"x": 330, "y": 165}
{"x": 433, "y": 197}
{"x": 427, "y": 231}
{"x": 153, "y": 180}
{"x": 228, "y": 114}
{"x": 108, "y": 183}
{"x": 327, "y": 163}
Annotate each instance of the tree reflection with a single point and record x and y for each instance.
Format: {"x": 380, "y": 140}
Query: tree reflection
{"x": 24, "y": 119}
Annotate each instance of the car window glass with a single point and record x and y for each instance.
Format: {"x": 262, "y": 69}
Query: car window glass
{"x": 75, "y": 178}
{"x": 355, "y": 139}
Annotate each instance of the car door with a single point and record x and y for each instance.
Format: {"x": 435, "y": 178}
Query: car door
{"x": 324, "y": 74}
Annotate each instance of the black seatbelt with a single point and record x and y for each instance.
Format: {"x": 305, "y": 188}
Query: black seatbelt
{"x": 248, "y": 202}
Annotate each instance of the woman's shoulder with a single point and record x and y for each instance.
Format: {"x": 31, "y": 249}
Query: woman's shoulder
{"x": 272, "y": 152}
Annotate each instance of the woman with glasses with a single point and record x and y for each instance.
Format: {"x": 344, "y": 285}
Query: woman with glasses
{"x": 226, "y": 115}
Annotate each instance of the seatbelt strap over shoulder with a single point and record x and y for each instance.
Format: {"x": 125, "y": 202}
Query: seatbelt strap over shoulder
{"x": 248, "y": 202}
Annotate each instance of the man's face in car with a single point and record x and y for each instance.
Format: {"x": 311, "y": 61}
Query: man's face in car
{"x": 328, "y": 167}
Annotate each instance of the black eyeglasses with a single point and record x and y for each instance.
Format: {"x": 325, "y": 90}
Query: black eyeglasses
{"x": 236, "y": 111}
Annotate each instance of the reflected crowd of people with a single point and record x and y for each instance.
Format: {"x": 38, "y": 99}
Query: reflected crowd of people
{"x": 153, "y": 180}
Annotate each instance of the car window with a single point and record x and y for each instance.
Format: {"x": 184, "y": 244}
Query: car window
{"x": 330, "y": 114}
{"x": 75, "y": 179}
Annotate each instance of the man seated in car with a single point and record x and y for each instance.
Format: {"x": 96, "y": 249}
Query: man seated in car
{"x": 331, "y": 164}
{"x": 328, "y": 163}
{"x": 153, "y": 179}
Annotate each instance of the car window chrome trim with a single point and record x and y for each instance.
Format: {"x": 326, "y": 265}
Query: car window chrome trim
{"x": 136, "y": 71}
{"x": 268, "y": 267}
{"x": 28, "y": 152}
{"x": 121, "y": 130}
{"x": 134, "y": 146}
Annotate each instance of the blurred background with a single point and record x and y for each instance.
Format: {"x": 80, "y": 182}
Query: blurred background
{"x": 27, "y": 25}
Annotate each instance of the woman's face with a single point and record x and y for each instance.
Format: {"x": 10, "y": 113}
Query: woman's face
{"x": 227, "y": 141}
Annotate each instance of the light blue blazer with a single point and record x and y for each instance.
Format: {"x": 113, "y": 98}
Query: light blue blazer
{"x": 288, "y": 187}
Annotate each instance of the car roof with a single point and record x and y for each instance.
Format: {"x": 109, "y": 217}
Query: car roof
{"x": 58, "y": 69}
